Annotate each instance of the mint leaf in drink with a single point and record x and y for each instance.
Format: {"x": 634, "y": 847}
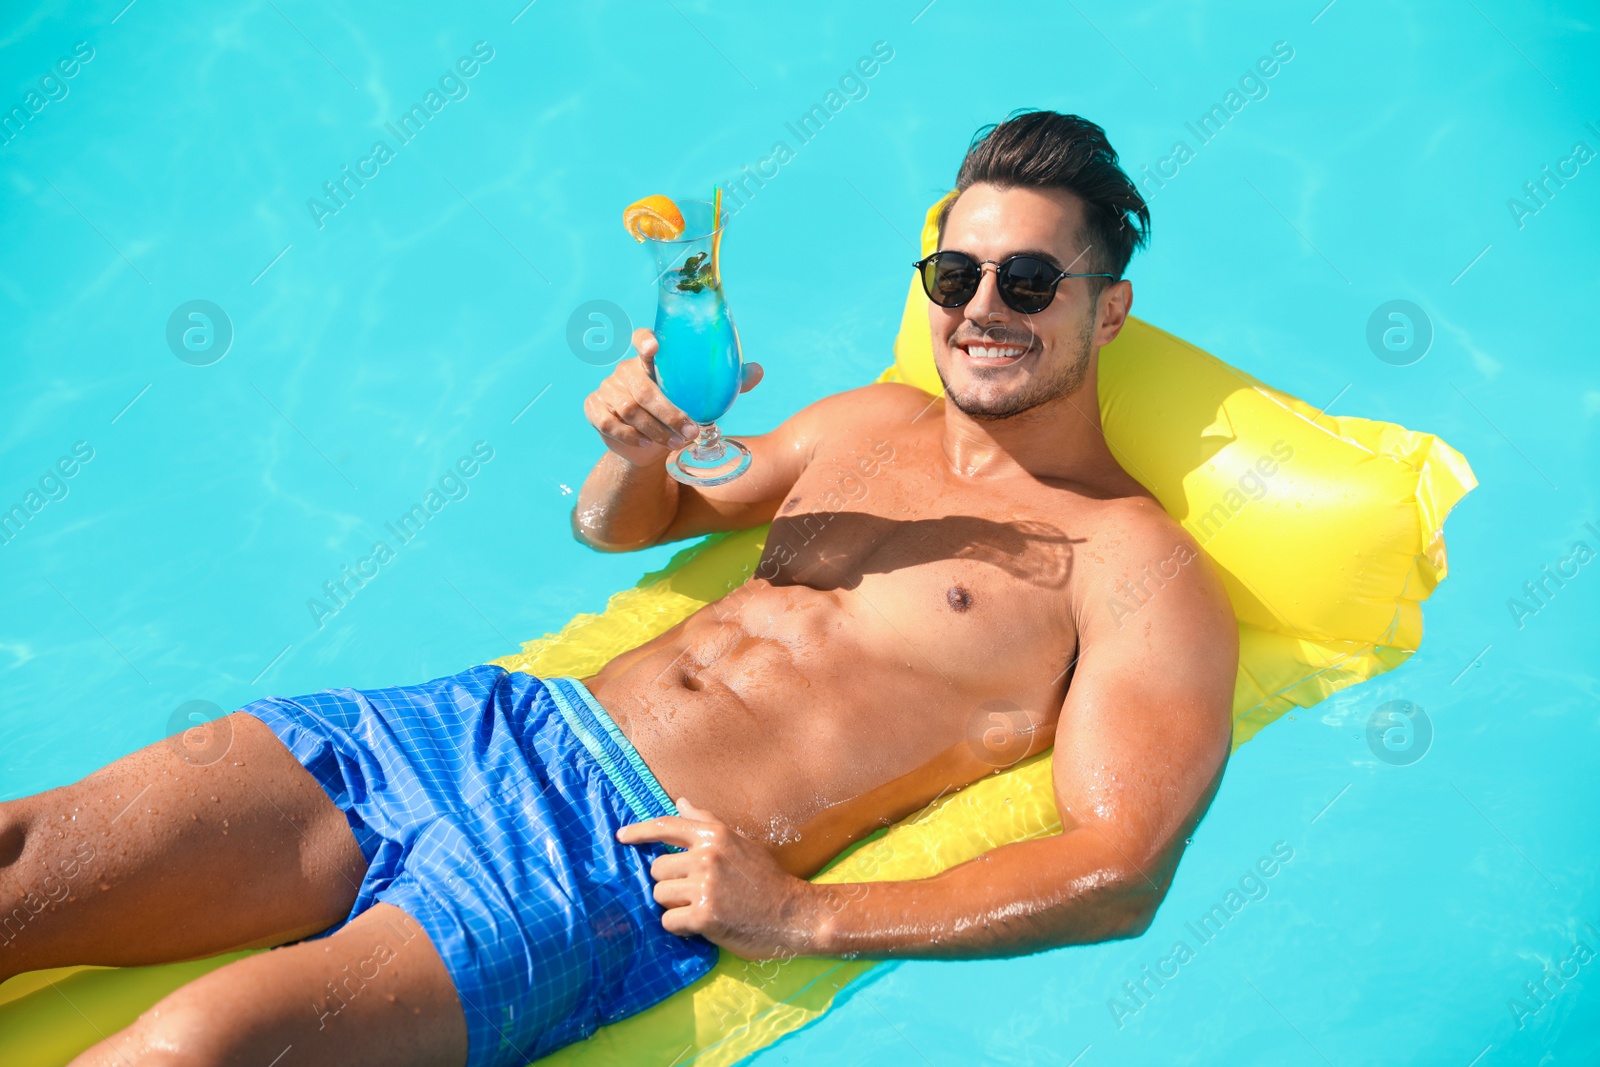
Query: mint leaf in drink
{"x": 695, "y": 274}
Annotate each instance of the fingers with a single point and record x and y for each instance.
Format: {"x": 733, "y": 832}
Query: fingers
{"x": 753, "y": 373}
{"x": 693, "y": 811}
{"x": 647, "y": 409}
{"x": 617, "y": 411}
{"x": 671, "y": 829}
{"x": 684, "y": 921}
{"x": 639, "y": 402}
{"x": 645, "y": 343}
{"x": 677, "y": 893}
{"x": 672, "y": 865}
{"x": 629, "y": 407}
{"x": 636, "y": 833}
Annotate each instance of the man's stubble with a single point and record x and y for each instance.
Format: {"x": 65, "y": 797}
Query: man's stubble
{"x": 1068, "y": 378}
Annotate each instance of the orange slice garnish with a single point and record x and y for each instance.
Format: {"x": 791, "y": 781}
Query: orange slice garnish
{"x": 655, "y": 217}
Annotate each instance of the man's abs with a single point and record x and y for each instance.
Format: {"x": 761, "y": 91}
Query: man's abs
{"x": 807, "y": 718}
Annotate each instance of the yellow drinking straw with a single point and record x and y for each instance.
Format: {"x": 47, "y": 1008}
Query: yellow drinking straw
{"x": 716, "y": 236}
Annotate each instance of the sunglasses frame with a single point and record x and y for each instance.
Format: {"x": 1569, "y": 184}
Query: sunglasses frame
{"x": 1000, "y": 269}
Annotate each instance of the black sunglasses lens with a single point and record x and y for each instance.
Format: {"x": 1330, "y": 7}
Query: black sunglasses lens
{"x": 950, "y": 278}
{"x": 1028, "y": 283}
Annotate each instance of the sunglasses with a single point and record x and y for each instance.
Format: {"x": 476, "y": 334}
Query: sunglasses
{"x": 1027, "y": 283}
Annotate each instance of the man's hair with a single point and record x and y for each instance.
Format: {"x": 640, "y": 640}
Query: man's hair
{"x": 1047, "y": 150}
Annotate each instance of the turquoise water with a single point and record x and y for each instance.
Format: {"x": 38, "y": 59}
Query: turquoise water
{"x": 381, "y": 339}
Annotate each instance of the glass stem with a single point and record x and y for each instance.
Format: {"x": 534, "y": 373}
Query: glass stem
{"x": 707, "y": 446}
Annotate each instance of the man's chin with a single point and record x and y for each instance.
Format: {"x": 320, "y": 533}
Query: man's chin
{"x": 1011, "y": 388}
{"x": 990, "y": 406}
{"x": 991, "y": 401}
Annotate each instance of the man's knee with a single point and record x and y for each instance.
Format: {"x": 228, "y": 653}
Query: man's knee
{"x": 178, "y": 1032}
{"x": 35, "y": 863}
{"x": 38, "y": 872}
{"x": 18, "y": 904}
{"x": 13, "y": 833}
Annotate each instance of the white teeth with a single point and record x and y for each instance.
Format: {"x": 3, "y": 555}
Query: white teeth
{"x": 994, "y": 351}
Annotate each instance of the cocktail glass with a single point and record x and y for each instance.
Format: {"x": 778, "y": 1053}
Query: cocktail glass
{"x": 699, "y": 365}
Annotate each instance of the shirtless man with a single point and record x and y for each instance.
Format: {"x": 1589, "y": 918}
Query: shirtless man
{"x": 933, "y": 603}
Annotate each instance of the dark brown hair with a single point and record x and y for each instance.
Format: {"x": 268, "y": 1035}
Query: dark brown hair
{"x": 1048, "y": 150}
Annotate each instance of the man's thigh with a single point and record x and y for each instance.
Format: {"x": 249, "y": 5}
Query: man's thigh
{"x": 163, "y": 855}
{"x": 375, "y": 993}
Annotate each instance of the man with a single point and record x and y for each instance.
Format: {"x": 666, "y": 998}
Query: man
{"x": 934, "y": 603}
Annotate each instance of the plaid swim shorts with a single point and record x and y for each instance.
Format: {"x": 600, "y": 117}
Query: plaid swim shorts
{"x": 486, "y": 804}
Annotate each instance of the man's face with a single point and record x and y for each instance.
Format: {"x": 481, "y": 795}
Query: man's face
{"x": 1046, "y": 354}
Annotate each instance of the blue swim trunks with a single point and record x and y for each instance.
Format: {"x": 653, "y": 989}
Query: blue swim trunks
{"x": 487, "y": 804}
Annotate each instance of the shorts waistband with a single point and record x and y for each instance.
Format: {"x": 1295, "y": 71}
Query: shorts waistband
{"x": 610, "y": 748}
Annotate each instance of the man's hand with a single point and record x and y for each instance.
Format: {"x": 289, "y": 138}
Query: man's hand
{"x": 725, "y": 887}
{"x": 633, "y": 415}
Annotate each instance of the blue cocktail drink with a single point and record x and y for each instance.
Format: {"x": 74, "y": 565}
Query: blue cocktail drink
{"x": 699, "y": 365}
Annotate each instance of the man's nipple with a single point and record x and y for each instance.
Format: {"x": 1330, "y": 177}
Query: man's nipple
{"x": 958, "y": 598}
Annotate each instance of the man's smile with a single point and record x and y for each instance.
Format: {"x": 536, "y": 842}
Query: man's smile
{"x": 993, "y": 353}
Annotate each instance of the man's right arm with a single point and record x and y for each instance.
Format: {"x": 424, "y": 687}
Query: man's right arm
{"x": 629, "y": 501}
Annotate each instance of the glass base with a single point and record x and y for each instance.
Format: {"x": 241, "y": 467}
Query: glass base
{"x": 711, "y": 460}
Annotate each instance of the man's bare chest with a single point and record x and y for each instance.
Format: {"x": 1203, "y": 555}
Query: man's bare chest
{"x": 954, "y": 568}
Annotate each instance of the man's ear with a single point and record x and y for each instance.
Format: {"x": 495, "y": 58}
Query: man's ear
{"x": 1116, "y": 301}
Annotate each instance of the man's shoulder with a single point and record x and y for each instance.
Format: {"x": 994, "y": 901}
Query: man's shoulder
{"x": 844, "y": 417}
{"x": 1137, "y": 558}
{"x": 1137, "y": 514}
{"x": 1130, "y": 527}
{"x": 879, "y": 400}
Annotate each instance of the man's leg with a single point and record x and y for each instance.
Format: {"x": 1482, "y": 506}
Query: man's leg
{"x": 156, "y": 858}
{"x": 375, "y": 993}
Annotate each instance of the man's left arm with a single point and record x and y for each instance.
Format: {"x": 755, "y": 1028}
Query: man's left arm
{"x": 1139, "y": 748}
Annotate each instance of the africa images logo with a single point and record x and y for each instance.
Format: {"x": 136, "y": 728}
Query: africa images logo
{"x": 453, "y": 485}
{"x": 452, "y": 86}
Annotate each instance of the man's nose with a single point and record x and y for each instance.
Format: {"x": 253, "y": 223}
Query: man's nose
{"x": 986, "y": 307}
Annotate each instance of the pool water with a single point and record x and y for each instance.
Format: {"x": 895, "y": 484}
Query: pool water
{"x": 276, "y": 277}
